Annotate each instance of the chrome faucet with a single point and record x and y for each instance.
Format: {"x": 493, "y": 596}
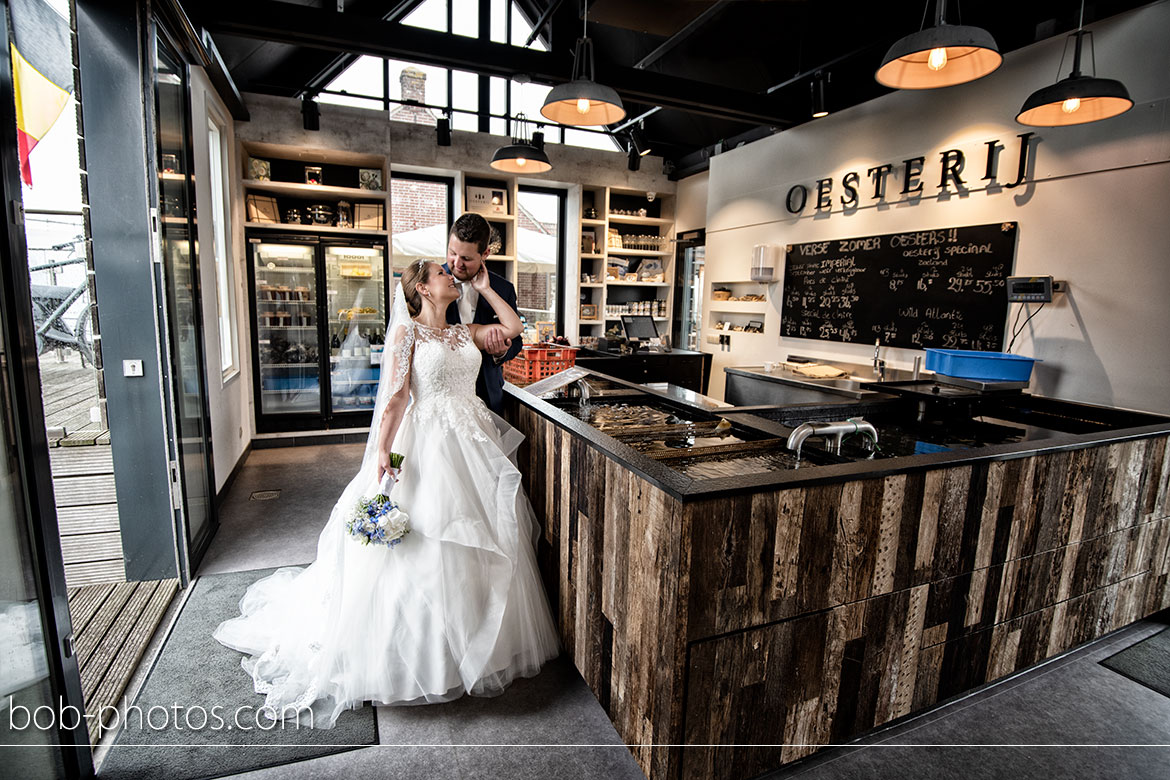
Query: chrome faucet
{"x": 879, "y": 365}
{"x": 583, "y": 389}
{"x": 833, "y": 433}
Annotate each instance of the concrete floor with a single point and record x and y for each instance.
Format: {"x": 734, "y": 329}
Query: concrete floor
{"x": 545, "y": 727}
{"x": 1069, "y": 718}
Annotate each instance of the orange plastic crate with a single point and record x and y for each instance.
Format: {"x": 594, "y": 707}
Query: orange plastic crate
{"x": 535, "y": 363}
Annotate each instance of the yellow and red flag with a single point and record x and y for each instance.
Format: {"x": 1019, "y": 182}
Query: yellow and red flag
{"x": 42, "y": 72}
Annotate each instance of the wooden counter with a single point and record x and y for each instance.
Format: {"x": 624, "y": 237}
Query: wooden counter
{"x": 810, "y": 610}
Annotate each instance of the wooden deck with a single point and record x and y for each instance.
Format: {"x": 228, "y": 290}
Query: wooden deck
{"x": 83, "y": 472}
{"x": 112, "y": 625}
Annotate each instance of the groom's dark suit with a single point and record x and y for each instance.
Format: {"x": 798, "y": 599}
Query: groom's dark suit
{"x": 490, "y": 384}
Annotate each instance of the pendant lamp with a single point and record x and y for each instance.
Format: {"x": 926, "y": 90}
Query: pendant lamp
{"x": 939, "y": 56}
{"x": 1077, "y": 99}
{"x": 582, "y": 102}
{"x": 522, "y": 155}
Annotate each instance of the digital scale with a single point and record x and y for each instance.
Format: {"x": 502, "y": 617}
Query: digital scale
{"x": 1032, "y": 289}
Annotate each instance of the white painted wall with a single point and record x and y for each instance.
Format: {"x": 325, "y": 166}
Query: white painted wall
{"x": 691, "y": 211}
{"x": 1094, "y": 212}
{"x": 229, "y": 397}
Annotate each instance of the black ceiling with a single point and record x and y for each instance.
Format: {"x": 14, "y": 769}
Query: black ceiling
{"x": 713, "y": 76}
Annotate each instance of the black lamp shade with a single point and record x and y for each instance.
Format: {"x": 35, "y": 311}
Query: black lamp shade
{"x": 565, "y": 101}
{"x": 520, "y": 158}
{"x": 1089, "y": 99}
{"x": 971, "y": 53}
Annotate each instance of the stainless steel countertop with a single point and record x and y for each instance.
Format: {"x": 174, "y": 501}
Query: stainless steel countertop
{"x": 849, "y": 385}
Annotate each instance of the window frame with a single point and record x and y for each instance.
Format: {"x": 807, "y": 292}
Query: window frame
{"x": 562, "y": 226}
{"x": 224, "y": 267}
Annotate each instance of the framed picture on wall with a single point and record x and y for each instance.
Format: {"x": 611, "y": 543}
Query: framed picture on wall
{"x": 589, "y": 311}
{"x": 487, "y": 200}
{"x": 546, "y": 330}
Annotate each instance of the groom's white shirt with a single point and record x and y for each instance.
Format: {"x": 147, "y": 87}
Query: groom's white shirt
{"x": 468, "y": 300}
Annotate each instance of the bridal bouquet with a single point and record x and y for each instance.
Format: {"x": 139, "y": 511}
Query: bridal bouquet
{"x": 378, "y": 520}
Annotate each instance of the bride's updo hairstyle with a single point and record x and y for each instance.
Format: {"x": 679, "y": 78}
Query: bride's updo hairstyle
{"x": 418, "y": 272}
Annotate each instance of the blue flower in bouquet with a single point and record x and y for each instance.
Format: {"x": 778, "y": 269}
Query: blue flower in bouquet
{"x": 378, "y": 520}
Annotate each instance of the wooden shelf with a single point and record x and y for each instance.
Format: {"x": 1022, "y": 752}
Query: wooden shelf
{"x": 641, "y": 252}
{"x": 591, "y": 284}
{"x": 738, "y": 307}
{"x": 742, "y": 281}
{"x": 622, "y": 219}
{"x": 312, "y": 190}
{"x": 735, "y": 332}
{"x": 497, "y": 217}
{"x": 315, "y": 156}
{"x": 589, "y": 322}
{"x": 592, "y": 256}
{"x": 592, "y": 223}
{"x": 289, "y": 228}
{"x": 639, "y": 284}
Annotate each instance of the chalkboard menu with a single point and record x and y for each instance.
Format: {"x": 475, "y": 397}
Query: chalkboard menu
{"x": 926, "y": 288}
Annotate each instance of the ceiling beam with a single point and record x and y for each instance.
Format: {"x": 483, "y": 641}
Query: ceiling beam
{"x": 553, "y": 5}
{"x": 681, "y": 35}
{"x": 311, "y": 27}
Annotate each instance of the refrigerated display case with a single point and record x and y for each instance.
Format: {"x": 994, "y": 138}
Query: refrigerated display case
{"x": 318, "y": 317}
{"x": 355, "y": 280}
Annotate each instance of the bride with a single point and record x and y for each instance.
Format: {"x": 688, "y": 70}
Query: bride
{"x": 458, "y": 606}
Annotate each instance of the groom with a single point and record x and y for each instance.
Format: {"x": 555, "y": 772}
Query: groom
{"x": 467, "y": 249}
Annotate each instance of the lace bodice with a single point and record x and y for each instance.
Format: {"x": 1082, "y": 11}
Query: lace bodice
{"x": 446, "y": 363}
{"x": 442, "y": 378}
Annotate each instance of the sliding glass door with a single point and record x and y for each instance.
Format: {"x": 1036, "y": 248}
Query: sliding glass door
{"x": 42, "y": 726}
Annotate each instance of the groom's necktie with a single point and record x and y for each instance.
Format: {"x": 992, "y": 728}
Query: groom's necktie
{"x": 468, "y": 298}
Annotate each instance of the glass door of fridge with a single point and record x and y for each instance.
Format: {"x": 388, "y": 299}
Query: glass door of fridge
{"x": 356, "y": 288}
{"x": 287, "y": 347}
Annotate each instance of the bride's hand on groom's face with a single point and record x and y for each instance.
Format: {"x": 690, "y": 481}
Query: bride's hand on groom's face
{"x": 480, "y": 281}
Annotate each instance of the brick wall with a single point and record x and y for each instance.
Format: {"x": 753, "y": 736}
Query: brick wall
{"x": 532, "y": 291}
{"x": 417, "y": 204}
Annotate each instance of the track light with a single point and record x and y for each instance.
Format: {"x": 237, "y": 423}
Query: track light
{"x": 939, "y": 56}
{"x": 633, "y": 159}
{"x": 311, "y": 113}
{"x": 1078, "y": 99}
{"x": 443, "y": 131}
{"x": 638, "y": 140}
{"x": 817, "y": 87}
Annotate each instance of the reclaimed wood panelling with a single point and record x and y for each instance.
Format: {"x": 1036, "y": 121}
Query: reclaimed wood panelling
{"x": 803, "y": 616}
{"x": 818, "y": 679}
{"x": 773, "y": 556}
{"x": 617, "y": 547}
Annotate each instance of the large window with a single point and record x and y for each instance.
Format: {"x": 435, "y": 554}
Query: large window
{"x": 541, "y": 257}
{"x": 421, "y": 212}
{"x": 221, "y": 229}
{"x": 429, "y": 91}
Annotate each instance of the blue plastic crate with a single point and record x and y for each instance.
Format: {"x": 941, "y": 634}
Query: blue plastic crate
{"x": 985, "y": 366}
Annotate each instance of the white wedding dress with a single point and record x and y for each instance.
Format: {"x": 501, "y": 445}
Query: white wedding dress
{"x": 458, "y": 607}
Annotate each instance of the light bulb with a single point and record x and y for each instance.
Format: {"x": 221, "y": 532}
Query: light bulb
{"x": 582, "y": 105}
{"x": 937, "y": 59}
{"x": 1071, "y": 105}
{"x": 520, "y": 161}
